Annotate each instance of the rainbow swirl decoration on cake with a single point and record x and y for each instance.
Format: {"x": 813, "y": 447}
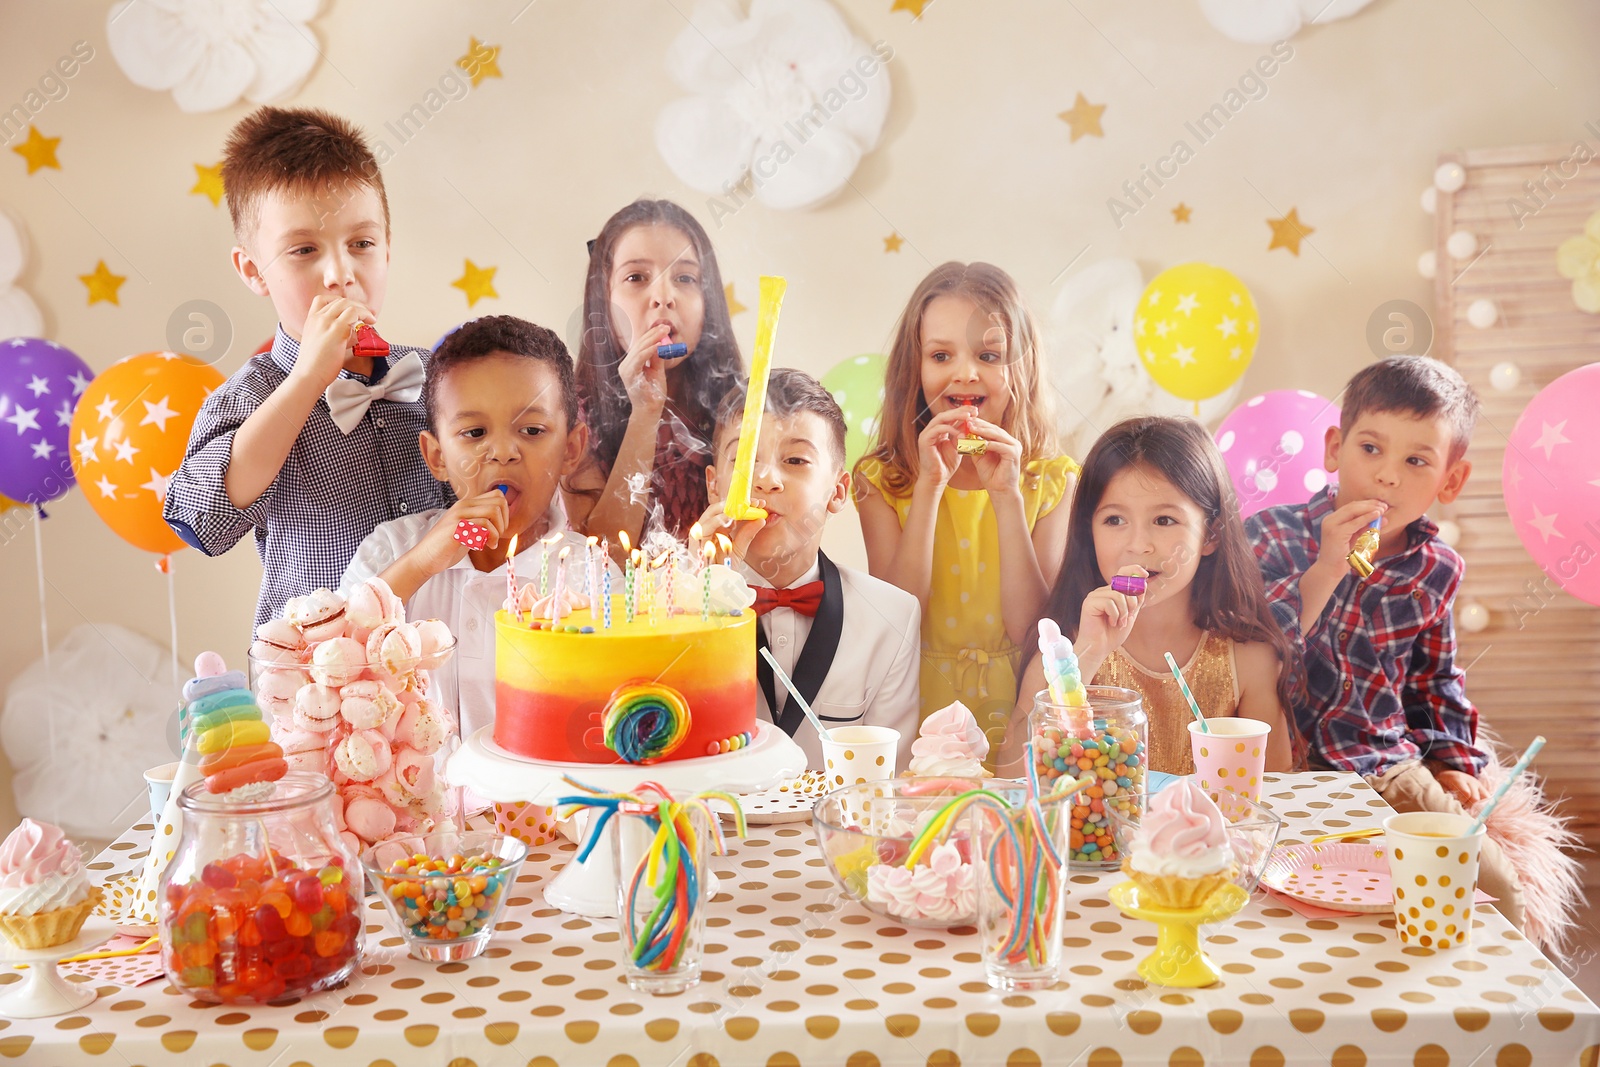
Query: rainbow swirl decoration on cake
{"x": 645, "y": 721}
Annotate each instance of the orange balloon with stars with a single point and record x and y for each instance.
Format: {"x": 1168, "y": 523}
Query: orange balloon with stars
{"x": 129, "y": 433}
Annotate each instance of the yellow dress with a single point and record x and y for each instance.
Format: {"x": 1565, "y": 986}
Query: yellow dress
{"x": 966, "y": 654}
{"x": 1213, "y": 679}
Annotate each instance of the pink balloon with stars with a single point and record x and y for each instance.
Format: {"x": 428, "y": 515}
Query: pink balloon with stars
{"x": 1273, "y": 447}
{"x": 1551, "y": 479}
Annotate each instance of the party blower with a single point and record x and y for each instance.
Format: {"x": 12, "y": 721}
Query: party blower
{"x": 738, "y": 504}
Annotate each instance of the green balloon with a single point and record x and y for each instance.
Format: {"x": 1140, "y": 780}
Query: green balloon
{"x": 857, "y": 384}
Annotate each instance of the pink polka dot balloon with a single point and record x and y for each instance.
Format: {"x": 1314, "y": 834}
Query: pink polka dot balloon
{"x": 1551, "y": 479}
{"x": 1272, "y": 445}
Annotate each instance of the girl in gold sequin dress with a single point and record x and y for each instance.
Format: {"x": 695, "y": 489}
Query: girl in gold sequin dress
{"x": 1155, "y": 502}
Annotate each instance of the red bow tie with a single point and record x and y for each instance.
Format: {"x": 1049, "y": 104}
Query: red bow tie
{"x": 802, "y": 598}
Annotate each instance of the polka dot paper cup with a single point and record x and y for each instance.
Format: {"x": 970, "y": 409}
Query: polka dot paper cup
{"x": 852, "y": 755}
{"x": 1232, "y": 756}
{"x": 532, "y": 824}
{"x": 1433, "y": 863}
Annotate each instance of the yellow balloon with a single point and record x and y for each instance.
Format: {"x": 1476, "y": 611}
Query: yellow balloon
{"x": 1196, "y": 330}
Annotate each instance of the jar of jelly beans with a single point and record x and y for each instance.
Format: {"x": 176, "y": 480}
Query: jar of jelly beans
{"x": 262, "y": 898}
{"x": 1106, "y": 741}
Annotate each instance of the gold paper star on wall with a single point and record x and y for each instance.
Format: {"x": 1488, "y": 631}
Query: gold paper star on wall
{"x": 1182, "y": 212}
{"x": 38, "y": 150}
{"x": 476, "y": 282}
{"x": 102, "y": 284}
{"x": 1084, "y": 118}
{"x": 208, "y": 182}
{"x": 481, "y": 61}
{"x": 1289, "y": 231}
{"x": 734, "y": 307}
{"x": 893, "y": 242}
{"x": 913, "y": 6}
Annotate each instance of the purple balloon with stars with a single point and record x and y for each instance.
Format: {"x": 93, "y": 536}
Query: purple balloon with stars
{"x": 40, "y": 382}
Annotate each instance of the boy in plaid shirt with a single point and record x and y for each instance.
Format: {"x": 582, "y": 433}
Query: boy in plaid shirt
{"x": 1385, "y": 697}
{"x": 312, "y": 443}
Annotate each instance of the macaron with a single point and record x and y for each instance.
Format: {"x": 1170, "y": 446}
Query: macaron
{"x": 338, "y": 661}
{"x": 410, "y": 778}
{"x": 365, "y": 704}
{"x": 196, "y": 688}
{"x": 422, "y": 727}
{"x": 395, "y": 648}
{"x": 277, "y": 641}
{"x": 363, "y": 755}
{"x": 276, "y": 690}
{"x": 316, "y": 708}
{"x": 319, "y": 615}
{"x": 371, "y": 604}
{"x": 437, "y": 640}
{"x": 369, "y": 817}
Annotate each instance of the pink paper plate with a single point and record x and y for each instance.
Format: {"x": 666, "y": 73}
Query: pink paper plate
{"x": 1341, "y": 875}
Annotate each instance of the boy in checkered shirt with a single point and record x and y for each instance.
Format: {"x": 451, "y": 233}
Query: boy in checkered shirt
{"x": 267, "y": 452}
{"x": 1385, "y": 697}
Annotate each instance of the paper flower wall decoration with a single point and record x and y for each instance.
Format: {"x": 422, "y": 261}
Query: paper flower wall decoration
{"x": 210, "y": 54}
{"x": 786, "y": 102}
{"x": 1094, "y": 365}
{"x": 19, "y": 315}
{"x": 1578, "y": 258}
{"x": 1265, "y": 21}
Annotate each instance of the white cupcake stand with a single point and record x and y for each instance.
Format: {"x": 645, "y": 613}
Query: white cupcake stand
{"x": 42, "y": 991}
{"x": 590, "y": 888}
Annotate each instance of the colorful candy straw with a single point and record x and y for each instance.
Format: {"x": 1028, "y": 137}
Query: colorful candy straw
{"x": 794, "y": 694}
{"x": 1499, "y": 794}
{"x": 738, "y": 505}
{"x": 1062, "y": 677}
{"x": 668, "y": 871}
{"x": 1194, "y": 705}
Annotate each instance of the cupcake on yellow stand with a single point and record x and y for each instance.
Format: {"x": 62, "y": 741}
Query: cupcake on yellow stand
{"x": 1181, "y": 871}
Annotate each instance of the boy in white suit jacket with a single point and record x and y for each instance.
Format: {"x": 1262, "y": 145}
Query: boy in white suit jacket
{"x": 849, "y": 641}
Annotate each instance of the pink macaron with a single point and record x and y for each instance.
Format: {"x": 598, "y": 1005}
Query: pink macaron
{"x": 276, "y": 691}
{"x": 316, "y": 708}
{"x": 367, "y": 704}
{"x": 370, "y": 605}
{"x": 367, "y": 814}
{"x": 394, "y": 648}
{"x": 422, "y": 727}
{"x": 338, "y": 661}
{"x": 437, "y": 643}
{"x": 363, "y": 755}
{"x": 319, "y": 615}
{"x": 277, "y": 641}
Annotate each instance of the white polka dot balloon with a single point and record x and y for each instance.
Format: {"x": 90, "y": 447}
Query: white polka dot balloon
{"x": 1273, "y": 447}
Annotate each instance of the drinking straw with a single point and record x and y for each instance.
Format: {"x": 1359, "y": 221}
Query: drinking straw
{"x": 1194, "y": 705}
{"x": 794, "y": 694}
{"x": 1499, "y": 794}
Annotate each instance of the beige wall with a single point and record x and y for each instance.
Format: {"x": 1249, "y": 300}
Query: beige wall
{"x": 973, "y": 164}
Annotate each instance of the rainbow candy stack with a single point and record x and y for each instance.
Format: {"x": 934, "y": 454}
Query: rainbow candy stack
{"x": 226, "y": 733}
{"x": 1113, "y": 756}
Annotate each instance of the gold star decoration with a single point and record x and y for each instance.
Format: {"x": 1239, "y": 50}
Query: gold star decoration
{"x": 1084, "y": 118}
{"x": 734, "y": 307}
{"x": 102, "y": 284}
{"x": 481, "y": 61}
{"x": 913, "y": 6}
{"x": 476, "y": 282}
{"x": 38, "y": 150}
{"x": 1289, "y": 231}
{"x": 893, "y": 242}
{"x": 1182, "y": 212}
{"x": 208, "y": 182}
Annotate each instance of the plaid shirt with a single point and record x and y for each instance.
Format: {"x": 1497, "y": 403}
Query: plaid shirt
{"x": 331, "y": 492}
{"x": 1381, "y": 676}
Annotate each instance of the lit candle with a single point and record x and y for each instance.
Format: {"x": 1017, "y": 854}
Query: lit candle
{"x": 726, "y": 546}
{"x": 511, "y": 580}
{"x": 591, "y": 574}
{"x": 560, "y": 585}
{"x": 705, "y": 591}
{"x": 544, "y": 561}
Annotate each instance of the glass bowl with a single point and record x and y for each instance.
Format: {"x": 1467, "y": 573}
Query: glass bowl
{"x": 865, "y": 833}
{"x": 445, "y": 916}
{"x": 1252, "y": 833}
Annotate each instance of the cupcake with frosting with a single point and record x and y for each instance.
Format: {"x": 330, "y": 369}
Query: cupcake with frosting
{"x": 45, "y": 894}
{"x": 1180, "y": 856}
{"x": 949, "y": 745}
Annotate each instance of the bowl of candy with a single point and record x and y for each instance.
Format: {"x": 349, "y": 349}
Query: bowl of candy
{"x": 1252, "y": 832}
{"x": 446, "y": 889}
{"x": 889, "y": 851}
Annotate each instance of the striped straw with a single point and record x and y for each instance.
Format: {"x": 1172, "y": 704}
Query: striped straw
{"x": 1522, "y": 765}
{"x": 1194, "y": 705}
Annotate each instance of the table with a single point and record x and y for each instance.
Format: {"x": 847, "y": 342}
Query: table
{"x": 797, "y": 976}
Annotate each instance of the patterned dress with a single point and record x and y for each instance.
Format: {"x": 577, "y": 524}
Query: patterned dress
{"x": 1213, "y": 679}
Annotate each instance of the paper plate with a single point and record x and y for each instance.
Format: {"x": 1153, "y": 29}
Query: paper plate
{"x": 1343, "y": 876}
{"x": 789, "y": 801}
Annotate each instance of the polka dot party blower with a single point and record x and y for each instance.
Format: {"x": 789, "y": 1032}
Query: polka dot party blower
{"x": 662, "y": 851}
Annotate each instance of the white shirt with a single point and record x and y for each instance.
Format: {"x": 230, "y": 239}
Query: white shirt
{"x": 873, "y": 680}
{"x": 465, "y": 598}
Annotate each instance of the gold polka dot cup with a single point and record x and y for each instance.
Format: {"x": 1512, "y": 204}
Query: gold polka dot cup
{"x": 1232, "y": 756}
{"x": 1433, "y": 863}
{"x": 852, "y": 755}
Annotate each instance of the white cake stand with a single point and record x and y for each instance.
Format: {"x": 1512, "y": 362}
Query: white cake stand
{"x": 590, "y": 888}
{"x": 42, "y": 991}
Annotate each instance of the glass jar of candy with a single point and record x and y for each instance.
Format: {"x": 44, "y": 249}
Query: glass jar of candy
{"x": 261, "y": 899}
{"x": 1105, "y": 741}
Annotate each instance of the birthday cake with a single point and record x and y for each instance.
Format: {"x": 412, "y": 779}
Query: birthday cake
{"x": 577, "y": 691}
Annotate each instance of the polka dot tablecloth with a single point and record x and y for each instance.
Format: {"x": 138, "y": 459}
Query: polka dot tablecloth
{"x": 795, "y": 976}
